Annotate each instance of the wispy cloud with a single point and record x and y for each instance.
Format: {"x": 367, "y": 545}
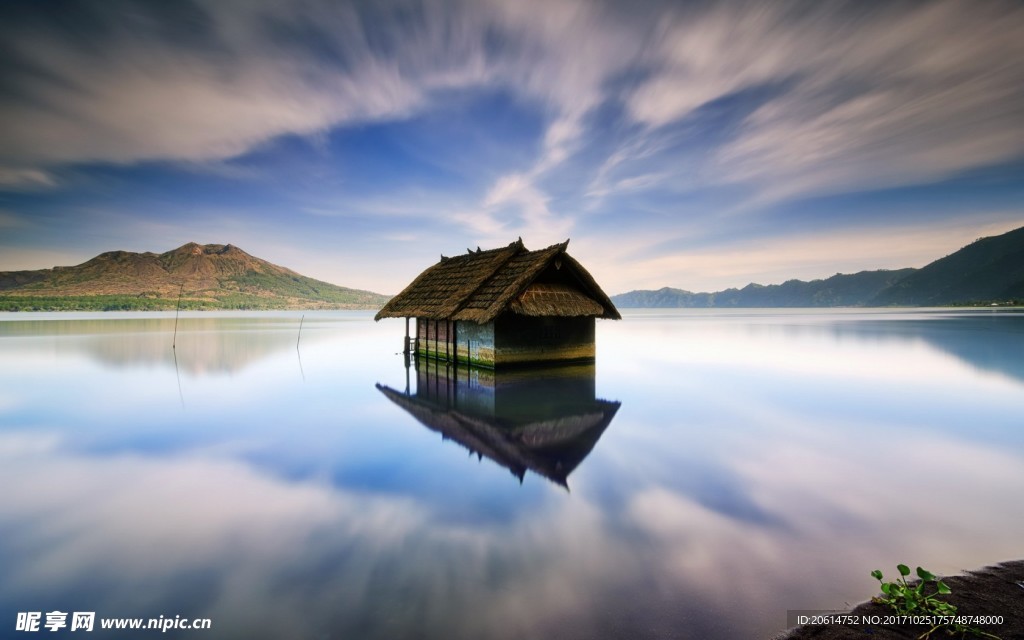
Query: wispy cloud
{"x": 874, "y": 96}
{"x": 869, "y": 97}
{"x": 145, "y": 94}
{"x": 25, "y": 179}
{"x": 664, "y": 116}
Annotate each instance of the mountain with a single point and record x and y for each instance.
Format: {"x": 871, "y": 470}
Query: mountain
{"x": 990, "y": 270}
{"x": 838, "y": 291}
{"x": 211, "y": 276}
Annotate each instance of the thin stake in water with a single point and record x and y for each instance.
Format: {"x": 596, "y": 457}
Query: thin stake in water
{"x": 178, "y": 376}
{"x": 174, "y": 340}
{"x": 297, "y": 352}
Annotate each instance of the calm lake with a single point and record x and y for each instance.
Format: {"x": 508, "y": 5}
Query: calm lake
{"x": 713, "y": 470}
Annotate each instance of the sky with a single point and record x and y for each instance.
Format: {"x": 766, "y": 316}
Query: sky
{"x": 698, "y": 145}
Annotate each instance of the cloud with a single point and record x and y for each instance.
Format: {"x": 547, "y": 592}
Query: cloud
{"x": 139, "y": 93}
{"x": 25, "y": 179}
{"x": 126, "y": 88}
{"x": 530, "y": 203}
{"x": 572, "y": 49}
{"x": 864, "y": 97}
{"x": 663, "y": 116}
{"x": 250, "y": 72}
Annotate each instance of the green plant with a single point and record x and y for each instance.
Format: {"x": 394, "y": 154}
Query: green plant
{"x": 921, "y": 600}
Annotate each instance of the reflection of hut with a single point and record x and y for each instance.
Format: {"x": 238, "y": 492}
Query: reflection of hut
{"x": 504, "y": 306}
{"x": 545, "y": 420}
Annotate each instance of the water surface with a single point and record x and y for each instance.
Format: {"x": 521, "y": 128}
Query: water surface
{"x": 714, "y": 469}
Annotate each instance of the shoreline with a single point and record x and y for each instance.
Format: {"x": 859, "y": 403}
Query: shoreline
{"x": 996, "y": 590}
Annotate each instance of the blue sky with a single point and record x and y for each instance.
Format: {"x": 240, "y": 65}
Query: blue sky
{"x": 698, "y": 145}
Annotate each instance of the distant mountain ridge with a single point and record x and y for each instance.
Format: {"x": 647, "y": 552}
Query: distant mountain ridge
{"x": 208, "y": 276}
{"x": 838, "y": 291}
{"x": 989, "y": 270}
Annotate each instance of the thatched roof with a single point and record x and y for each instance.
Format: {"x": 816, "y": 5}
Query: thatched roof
{"x": 479, "y": 285}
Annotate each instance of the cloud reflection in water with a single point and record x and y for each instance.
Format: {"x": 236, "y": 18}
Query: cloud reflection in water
{"x": 279, "y": 508}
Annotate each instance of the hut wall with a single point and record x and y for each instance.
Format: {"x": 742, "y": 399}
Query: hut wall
{"x": 525, "y": 340}
{"x": 447, "y": 340}
{"x": 436, "y": 338}
{"x": 511, "y": 339}
{"x": 423, "y": 336}
{"x": 475, "y": 343}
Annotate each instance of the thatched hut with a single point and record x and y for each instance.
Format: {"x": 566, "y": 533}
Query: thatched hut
{"x": 504, "y": 306}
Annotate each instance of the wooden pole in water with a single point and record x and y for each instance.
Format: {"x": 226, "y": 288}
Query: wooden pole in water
{"x": 174, "y": 339}
{"x": 178, "y": 376}
{"x": 455, "y": 370}
{"x": 298, "y": 353}
{"x": 174, "y": 344}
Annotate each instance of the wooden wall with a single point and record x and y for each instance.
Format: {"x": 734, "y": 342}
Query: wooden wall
{"x": 525, "y": 339}
{"x": 476, "y": 343}
{"x": 473, "y": 343}
{"x": 511, "y": 339}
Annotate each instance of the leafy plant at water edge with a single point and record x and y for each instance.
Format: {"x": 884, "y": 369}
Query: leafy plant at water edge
{"x": 922, "y": 600}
